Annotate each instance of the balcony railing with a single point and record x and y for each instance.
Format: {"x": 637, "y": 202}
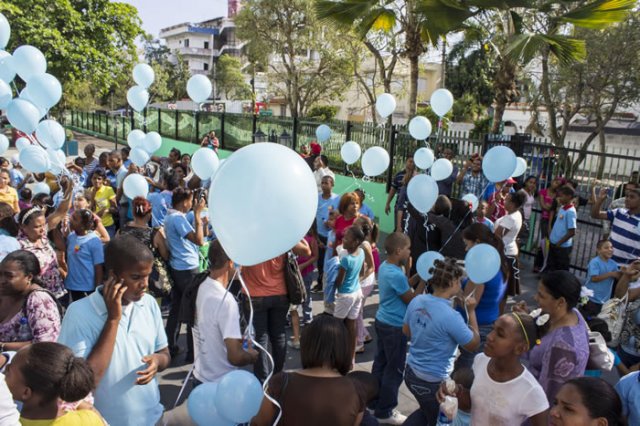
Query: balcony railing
{"x": 198, "y": 51}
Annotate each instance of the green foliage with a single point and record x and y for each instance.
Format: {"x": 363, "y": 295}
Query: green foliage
{"x": 82, "y": 40}
{"x": 322, "y": 112}
{"x": 426, "y": 111}
{"x": 470, "y": 72}
{"x": 229, "y": 79}
{"x": 481, "y": 126}
{"x": 80, "y": 96}
{"x": 171, "y": 77}
{"x": 466, "y": 108}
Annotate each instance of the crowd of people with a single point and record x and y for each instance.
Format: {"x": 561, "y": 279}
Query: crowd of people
{"x": 95, "y": 289}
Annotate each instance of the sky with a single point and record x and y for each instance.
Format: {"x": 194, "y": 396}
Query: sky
{"x": 157, "y": 14}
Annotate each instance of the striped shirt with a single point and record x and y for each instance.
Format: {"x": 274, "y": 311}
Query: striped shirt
{"x": 625, "y": 235}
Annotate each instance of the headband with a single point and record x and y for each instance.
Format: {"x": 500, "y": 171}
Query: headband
{"x": 526, "y": 336}
{"x": 28, "y": 214}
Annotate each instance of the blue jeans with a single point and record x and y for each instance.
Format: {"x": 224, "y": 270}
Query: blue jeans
{"x": 306, "y": 305}
{"x": 425, "y": 394}
{"x": 388, "y": 367}
{"x": 269, "y": 322}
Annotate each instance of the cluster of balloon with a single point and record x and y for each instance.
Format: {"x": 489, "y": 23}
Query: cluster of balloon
{"x": 24, "y": 112}
{"x": 254, "y": 228}
{"x": 235, "y": 399}
{"x": 143, "y": 145}
{"x": 138, "y": 96}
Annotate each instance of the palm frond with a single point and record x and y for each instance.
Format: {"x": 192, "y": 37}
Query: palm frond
{"x": 600, "y": 13}
{"x": 441, "y": 17}
{"x": 524, "y": 47}
{"x": 345, "y": 12}
{"x": 499, "y": 4}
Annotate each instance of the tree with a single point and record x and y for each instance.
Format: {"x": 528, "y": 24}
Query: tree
{"x": 82, "y": 40}
{"x": 229, "y": 79}
{"x": 307, "y": 63}
{"x": 172, "y": 73}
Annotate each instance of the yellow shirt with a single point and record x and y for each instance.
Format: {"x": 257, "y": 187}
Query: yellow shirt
{"x": 72, "y": 418}
{"x": 10, "y": 196}
{"x": 102, "y": 197}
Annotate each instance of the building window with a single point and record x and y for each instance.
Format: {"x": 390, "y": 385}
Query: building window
{"x": 206, "y": 44}
{"x": 186, "y": 43}
{"x": 206, "y": 66}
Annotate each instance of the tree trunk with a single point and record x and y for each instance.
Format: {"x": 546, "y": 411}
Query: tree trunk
{"x": 413, "y": 88}
{"x": 504, "y": 86}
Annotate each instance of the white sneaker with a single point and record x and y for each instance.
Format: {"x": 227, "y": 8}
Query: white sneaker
{"x": 396, "y": 418}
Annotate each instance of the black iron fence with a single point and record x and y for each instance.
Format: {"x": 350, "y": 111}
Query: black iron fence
{"x": 610, "y": 168}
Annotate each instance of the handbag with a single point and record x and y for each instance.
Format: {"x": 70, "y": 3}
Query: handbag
{"x": 600, "y": 357}
{"x": 160, "y": 281}
{"x": 613, "y": 314}
{"x": 296, "y": 291}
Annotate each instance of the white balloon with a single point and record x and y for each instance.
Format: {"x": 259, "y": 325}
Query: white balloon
{"x": 4, "y": 144}
{"x": 143, "y": 75}
{"x": 199, "y": 88}
{"x": 40, "y": 188}
{"x": 204, "y": 162}
{"x": 350, "y": 152}
{"x": 521, "y": 167}
{"x": 5, "y": 94}
{"x": 375, "y": 161}
{"x": 420, "y": 127}
{"x": 28, "y": 61}
{"x": 135, "y": 138}
{"x": 35, "y": 159}
{"x": 45, "y": 90}
{"x": 385, "y": 105}
{"x": 472, "y": 200}
{"x": 441, "y": 169}
{"x": 499, "y": 163}
{"x": 152, "y": 142}
{"x": 57, "y": 162}
{"x": 246, "y": 208}
{"x": 138, "y": 98}
{"x": 5, "y": 31}
{"x": 51, "y": 134}
{"x": 22, "y": 143}
{"x": 139, "y": 156}
{"x": 7, "y": 70}
{"x": 423, "y": 158}
{"x": 135, "y": 185}
{"x": 422, "y": 192}
{"x": 441, "y": 102}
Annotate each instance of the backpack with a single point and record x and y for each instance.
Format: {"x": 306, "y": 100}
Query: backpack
{"x": 293, "y": 279}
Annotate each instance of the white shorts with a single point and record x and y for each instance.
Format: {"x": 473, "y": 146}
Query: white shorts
{"x": 348, "y": 305}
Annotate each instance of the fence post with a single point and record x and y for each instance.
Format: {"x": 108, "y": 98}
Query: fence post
{"x": 124, "y": 131}
{"x": 144, "y": 122}
{"x": 294, "y": 137}
{"x": 133, "y": 122}
{"x": 392, "y": 153}
{"x": 254, "y": 126}
{"x": 93, "y": 121}
{"x": 197, "y": 126}
{"x": 176, "y": 132}
{"x": 222, "y": 145}
{"x": 107, "y": 122}
{"x": 348, "y": 132}
{"x": 159, "y": 121}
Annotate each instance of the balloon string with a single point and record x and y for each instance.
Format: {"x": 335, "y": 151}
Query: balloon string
{"x": 426, "y": 228}
{"x": 250, "y": 337}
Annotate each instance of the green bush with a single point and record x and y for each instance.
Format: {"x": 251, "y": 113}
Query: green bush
{"x": 322, "y": 112}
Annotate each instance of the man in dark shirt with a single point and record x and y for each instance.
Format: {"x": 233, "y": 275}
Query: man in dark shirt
{"x": 396, "y": 186}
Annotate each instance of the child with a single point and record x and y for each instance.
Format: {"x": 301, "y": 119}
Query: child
{"x": 396, "y": 291}
{"x": 80, "y": 202}
{"x": 349, "y": 297}
{"x": 85, "y": 256}
{"x": 364, "y": 209}
{"x": 307, "y": 269}
{"x": 367, "y": 278}
{"x": 331, "y": 268}
{"x": 124, "y": 153}
{"x": 17, "y": 177}
{"x": 119, "y": 330}
{"x": 25, "y": 199}
{"x": 481, "y": 215}
{"x": 44, "y": 373}
{"x": 500, "y": 375}
{"x": 601, "y": 274}
{"x": 563, "y": 231}
{"x": 104, "y": 201}
{"x": 327, "y": 202}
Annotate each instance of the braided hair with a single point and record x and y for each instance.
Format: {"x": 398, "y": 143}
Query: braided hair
{"x": 444, "y": 273}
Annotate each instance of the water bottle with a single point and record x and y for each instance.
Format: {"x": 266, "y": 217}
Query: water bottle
{"x": 443, "y": 420}
{"x": 448, "y": 410}
{"x": 24, "y": 334}
{"x": 249, "y": 336}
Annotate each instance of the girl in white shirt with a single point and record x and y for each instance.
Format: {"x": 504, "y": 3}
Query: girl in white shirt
{"x": 507, "y": 228}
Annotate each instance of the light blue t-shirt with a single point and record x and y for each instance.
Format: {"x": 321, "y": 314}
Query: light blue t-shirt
{"x": 16, "y": 177}
{"x": 331, "y": 268}
{"x": 629, "y": 390}
{"x": 392, "y": 283}
{"x": 436, "y": 331}
{"x": 140, "y": 333}
{"x": 83, "y": 254}
{"x": 322, "y": 213}
{"x": 565, "y": 219}
{"x": 366, "y": 210}
{"x": 184, "y": 253}
{"x": 160, "y": 204}
{"x": 601, "y": 289}
{"x": 351, "y": 263}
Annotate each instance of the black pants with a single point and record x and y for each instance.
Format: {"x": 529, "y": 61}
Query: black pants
{"x": 321, "y": 254}
{"x": 559, "y": 258}
{"x": 181, "y": 279}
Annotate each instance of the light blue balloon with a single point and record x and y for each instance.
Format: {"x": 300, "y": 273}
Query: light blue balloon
{"x": 28, "y": 61}
{"x": 441, "y": 102}
{"x": 135, "y": 185}
{"x": 239, "y": 396}
{"x": 7, "y": 71}
{"x": 375, "y": 161}
{"x": 138, "y": 97}
{"x": 426, "y": 262}
{"x": 51, "y": 134}
{"x": 323, "y": 133}
{"x": 204, "y": 162}
{"x": 199, "y": 88}
{"x": 56, "y": 160}
{"x": 385, "y": 105}
{"x": 22, "y": 143}
{"x": 45, "y": 90}
{"x": 152, "y": 142}
{"x": 441, "y": 169}
{"x": 139, "y": 156}
{"x": 420, "y": 128}
{"x": 35, "y": 159}
{"x": 23, "y": 115}
{"x": 499, "y": 163}
{"x": 5, "y": 31}
{"x": 350, "y": 152}
{"x": 422, "y": 192}
{"x": 143, "y": 75}
{"x": 4, "y": 144}
{"x": 202, "y": 407}
{"x": 5, "y": 94}
{"x": 423, "y": 158}
{"x": 482, "y": 263}
{"x": 135, "y": 138}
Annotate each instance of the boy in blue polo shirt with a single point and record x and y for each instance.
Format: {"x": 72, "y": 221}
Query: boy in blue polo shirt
{"x": 119, "y": 330}
{"x": 601, "y": 274}
{"x": 395, "y": 294}
{"x": 563, "y": 231}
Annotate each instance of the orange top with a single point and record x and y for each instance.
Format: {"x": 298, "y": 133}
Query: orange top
{"x": 266, "y": 278}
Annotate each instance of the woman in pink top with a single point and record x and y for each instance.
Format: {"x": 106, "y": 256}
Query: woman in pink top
{"x": 349, "y": 209}
{"x": 545, "y": 198}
